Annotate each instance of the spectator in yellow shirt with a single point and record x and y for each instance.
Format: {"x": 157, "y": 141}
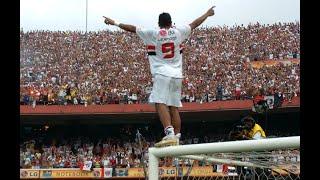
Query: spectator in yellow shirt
{"x": 252, "y": 129}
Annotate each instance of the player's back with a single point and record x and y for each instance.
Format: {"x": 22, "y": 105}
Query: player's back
{"x": 164, "y": 48}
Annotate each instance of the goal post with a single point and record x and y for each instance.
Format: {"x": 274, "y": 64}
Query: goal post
{"x": 200, "y": 151}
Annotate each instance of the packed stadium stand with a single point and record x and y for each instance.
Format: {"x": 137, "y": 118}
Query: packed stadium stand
{"x": 107, "y": 67}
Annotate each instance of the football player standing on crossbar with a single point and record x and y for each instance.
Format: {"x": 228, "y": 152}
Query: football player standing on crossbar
{"x": 164, "y": 48}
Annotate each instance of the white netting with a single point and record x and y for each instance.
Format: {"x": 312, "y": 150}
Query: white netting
{"x": 275, "y": 164}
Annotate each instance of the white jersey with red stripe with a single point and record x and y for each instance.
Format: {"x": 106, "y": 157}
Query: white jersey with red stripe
{"x": 164, "y": 48}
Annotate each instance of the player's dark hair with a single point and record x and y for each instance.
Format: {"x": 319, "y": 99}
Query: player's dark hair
{"x": 164, "y": 20}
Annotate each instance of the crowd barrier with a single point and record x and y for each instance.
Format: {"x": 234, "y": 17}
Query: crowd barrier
{"x": 101, "y": 173}
{"x": 142, "y": 108}
{"x": 133, "y": 173}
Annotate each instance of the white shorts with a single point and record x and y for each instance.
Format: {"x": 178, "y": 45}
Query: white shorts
{"x": 166, "y": 90}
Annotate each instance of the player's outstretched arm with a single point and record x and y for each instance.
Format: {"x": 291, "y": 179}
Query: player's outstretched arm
{"x": 202, "y": 18}
{"x": 126, "y": 27}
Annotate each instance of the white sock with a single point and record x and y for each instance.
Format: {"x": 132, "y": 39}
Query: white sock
{"x": 178, "y": 135}
{"x": 169, "y": 130}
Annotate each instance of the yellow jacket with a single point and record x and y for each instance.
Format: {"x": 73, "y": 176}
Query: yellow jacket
{"x": 255, "y": 129}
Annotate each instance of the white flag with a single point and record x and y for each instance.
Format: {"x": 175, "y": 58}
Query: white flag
{"x": 87, "y": 165}
{"x": 270, "y": 101}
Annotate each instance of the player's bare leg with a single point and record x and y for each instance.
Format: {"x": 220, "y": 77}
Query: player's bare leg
{"x": 175, "y": 117}
{"x": 164, "y": 114}
{"x": 175, "y": 120}
{"x": 165, "y": 118}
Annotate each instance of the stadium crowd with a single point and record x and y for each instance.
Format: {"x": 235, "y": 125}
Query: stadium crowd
{"x": 42, "y": 150}
{"x": 107, "y": 67}
{"x": 117, "y": 152}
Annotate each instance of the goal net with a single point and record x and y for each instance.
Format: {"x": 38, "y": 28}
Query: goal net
{"x": 274, "y": 158}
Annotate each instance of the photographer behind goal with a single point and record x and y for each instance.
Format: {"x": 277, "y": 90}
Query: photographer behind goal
{"x": 247, "y": 129}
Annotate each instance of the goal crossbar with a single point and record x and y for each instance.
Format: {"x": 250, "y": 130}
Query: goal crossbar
{"x": 218, "y": 147}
